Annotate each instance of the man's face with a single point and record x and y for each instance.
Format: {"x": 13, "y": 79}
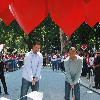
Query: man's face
{"x": 36, "y": 48}
{"x": 72, "y": 52}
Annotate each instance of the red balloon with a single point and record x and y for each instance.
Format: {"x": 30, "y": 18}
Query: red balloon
{"x": 86, "y": 1}
{"x": 4, "y": 5}
{"x": 7, "y": 17}
{"x": 92, "y": 12}
{"x": 67, "y": 14}
{"x": 29, "y": 13}
{"x": 5, "y": 13}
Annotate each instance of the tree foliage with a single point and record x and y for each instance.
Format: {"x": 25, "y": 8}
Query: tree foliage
{"x": 48, "y": 33}
{"x": 87, "y": 35}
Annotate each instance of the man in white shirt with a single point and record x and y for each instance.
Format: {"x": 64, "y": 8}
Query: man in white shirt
{"x": 33, "y": 62}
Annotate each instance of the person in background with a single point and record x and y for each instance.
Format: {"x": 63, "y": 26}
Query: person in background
{"x": 90, "y": 66}
{"x": 45, "y": 60}
{"x": 73, "y": 67}
{"x": 85, "y": 67}
{"x": 58, "y": 61}
{"x": 2, "y": 78}
{"x": 31, "y": 71}
{"x": 97, "y": 70}
{"x": 54, "y": 61}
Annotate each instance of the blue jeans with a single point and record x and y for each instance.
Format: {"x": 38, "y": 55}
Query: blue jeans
{"x": 54, "y": 65}
{"x": 25, "y": 86}
{"x": 76, "y": 91}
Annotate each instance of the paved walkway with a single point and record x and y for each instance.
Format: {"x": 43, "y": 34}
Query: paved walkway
{"x": 85, "y": 82}
{"x": 51, "y": 84}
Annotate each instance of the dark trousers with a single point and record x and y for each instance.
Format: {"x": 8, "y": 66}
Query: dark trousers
{"x": 54, "y": 65}
{"x": 2, "y": 77}
{"x": 97, "y": 77}
{"x": 25, "y": 86}
{"x": 76, "y": 91}
{"x": 89, "y": 71}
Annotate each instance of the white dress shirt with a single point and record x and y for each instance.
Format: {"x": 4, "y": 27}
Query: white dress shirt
{"x": 32, "y": 66}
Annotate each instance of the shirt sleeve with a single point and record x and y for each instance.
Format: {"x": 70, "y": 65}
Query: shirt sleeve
{"x": 79, "y": 70}
{"x": 39, "y": 66}
{"x": 28, "y": 67}
{"x": 68, "y": 76}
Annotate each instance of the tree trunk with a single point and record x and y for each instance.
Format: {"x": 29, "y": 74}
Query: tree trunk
{"x": 64, "y": 41}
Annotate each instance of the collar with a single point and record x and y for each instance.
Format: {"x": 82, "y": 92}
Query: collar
{"x": 75, "y": 59}
{"x": 33, "y": 53}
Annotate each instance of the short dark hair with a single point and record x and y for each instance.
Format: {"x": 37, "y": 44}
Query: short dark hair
{"x": 36, "y": 43}
{"x": 72, "y": 48}
{"x": 31, "y": 44}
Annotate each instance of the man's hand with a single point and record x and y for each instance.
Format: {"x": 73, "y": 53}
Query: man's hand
{"x": 72, "y": 86}
{"x": 35, "y": 79}
{"x": 33, "y": 82}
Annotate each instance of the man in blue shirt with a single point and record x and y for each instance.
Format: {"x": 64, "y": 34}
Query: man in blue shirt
{"x": 73, "y": 67}
{"x": 31, "y": 70}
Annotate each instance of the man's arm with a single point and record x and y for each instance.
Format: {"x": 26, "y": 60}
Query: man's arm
{"x": 68, "y": 76}
{"x": 28, "y": 67}
{"x": 98, "y": 65}
{"x": 79, "y": 70}
{"x": 39, "y": 66}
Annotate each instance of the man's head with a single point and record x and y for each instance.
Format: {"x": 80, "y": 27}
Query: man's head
{"x": 36, "y": 47}
{"x": 72, "y": 52}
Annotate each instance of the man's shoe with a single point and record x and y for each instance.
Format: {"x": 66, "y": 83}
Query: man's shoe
{"x": 94, "y": 86}
{"x": 7, "y": 93}
{"x": 97, "y": 87}
{"x": 0, "y": 93}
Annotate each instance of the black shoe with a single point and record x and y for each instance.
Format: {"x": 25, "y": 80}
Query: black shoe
{"x": 94, "y": 86}
{"x": 97, "y": 87}
{"x": 7, "y": 93}
{"x": 0, "y": 93}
